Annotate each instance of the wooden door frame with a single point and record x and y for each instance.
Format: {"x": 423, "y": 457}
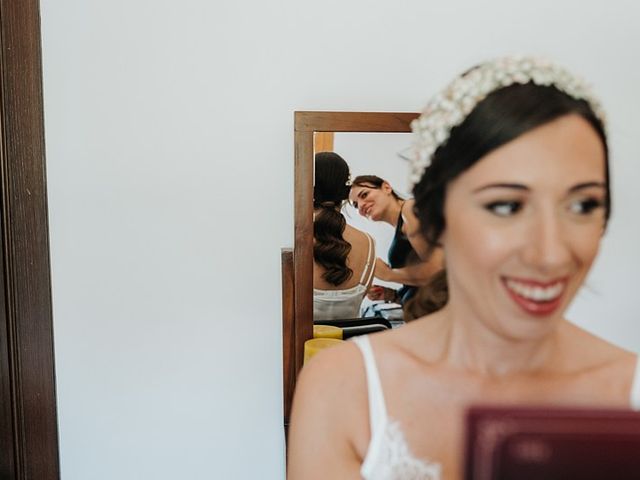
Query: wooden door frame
{"x": 28, "y": 422}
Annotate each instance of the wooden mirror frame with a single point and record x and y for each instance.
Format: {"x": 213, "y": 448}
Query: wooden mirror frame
{"x": 298, "y": 267}
{"x": 28, "y": 424}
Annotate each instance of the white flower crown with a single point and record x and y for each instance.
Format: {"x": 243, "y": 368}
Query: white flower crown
{"x": 450, "y": 107}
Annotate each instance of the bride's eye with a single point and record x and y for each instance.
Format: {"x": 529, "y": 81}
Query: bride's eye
{"x": 585, "y": 206}
{"x": 504, "y": 208}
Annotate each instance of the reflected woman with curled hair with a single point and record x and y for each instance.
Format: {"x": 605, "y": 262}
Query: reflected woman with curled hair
{"x": 343, "y": 257}
{"x": 511, "y": 178}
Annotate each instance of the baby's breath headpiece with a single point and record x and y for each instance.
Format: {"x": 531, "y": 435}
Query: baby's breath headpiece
{"x": 450, "y": 107}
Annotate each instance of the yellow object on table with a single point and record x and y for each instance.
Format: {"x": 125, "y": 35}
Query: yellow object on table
{"x": 327, "y": 331}
{"x": 313, "y": 346}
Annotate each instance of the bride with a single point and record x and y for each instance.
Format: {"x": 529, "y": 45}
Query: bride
{"x": 512, "y": 181}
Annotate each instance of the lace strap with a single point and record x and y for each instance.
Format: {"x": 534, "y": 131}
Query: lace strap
{"x": 635, "y": 388}
{"x": 377, "y": 408}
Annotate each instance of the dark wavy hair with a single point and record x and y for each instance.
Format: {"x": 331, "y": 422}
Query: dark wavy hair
{"x": 500, "y": 118}
{"x": 331, "y": 190}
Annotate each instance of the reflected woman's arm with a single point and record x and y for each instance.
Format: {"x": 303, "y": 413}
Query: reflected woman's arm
{"x": 415, "y": 275}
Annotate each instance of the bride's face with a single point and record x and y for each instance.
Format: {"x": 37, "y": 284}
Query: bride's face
{"x": 523, "y": 226}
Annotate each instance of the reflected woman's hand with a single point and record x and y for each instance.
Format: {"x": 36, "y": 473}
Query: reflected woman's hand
{"x": 377, "y": 292}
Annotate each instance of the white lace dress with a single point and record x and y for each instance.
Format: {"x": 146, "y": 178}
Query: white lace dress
{"x": 389, "y": 456}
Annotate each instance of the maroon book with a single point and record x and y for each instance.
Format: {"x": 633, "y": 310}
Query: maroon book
{"x": 552, "y": 444}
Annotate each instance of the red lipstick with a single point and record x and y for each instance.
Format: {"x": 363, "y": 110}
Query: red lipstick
{"x": 533, "y": 306}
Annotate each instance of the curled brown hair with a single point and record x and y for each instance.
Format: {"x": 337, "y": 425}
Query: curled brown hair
{"x": 331, "y": 189}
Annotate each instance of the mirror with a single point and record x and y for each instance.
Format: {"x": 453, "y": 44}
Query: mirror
{"x": 298, "y": 325}
{"x": 365, "y": 153}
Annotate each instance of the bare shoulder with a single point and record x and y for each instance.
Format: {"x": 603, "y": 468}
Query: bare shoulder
{"x": 332, "y": 369}
{"x": 407, "y": 211}
{"x": 329, "y": 415}
{"x": 407, "y": 206}
{"x": 595, "y": 350}
{"x": 353, "y": 234}
{"x": 601, "y": 363}
{"x": 417, "y": 343}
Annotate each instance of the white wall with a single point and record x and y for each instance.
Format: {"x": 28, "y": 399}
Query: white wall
{"x": 170, "y": 169}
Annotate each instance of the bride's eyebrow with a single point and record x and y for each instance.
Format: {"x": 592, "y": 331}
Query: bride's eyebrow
{"x": 511, "y": 186}
{"x": 581, "y": 186}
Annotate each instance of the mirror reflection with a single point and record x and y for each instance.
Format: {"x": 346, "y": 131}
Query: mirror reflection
{"x": 369, "y": 258}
